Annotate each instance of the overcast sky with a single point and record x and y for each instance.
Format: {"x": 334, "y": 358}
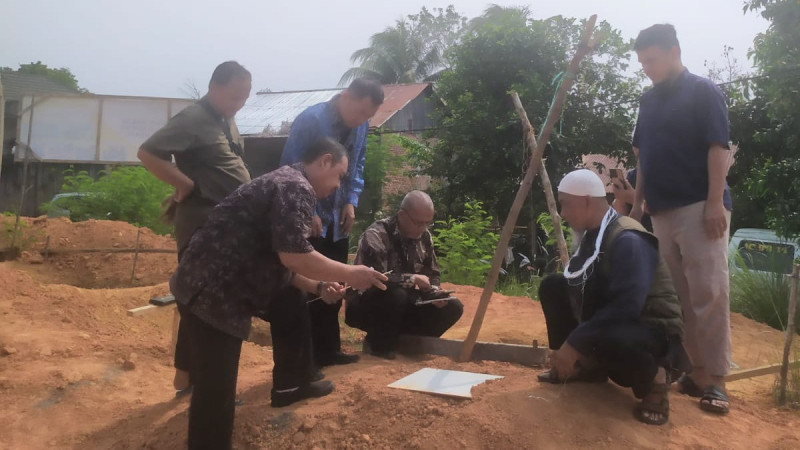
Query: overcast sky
{"x": 152, "y": 47}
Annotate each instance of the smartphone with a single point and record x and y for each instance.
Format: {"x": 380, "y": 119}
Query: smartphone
{"x": 425, "y": 302}
{"x": 163, "y": 301}
{"x": 616, "y": 173}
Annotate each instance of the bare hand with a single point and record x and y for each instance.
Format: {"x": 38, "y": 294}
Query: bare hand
{"x": 363, "y": 278}
{"x": 563, "y": 361}
{"x": 422, "y": 282}
{"x": 316, "y": 226}
{"x": 623, "y": 190}
{"x": 714, "y": 220}
{"x": 636, "y": 213}
{"x": 332, "y": 292}
{"x": 184, "y": 190}
{"x": 347, "y": 218}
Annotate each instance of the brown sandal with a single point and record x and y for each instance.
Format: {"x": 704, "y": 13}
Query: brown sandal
{"x": 657, "y": 405}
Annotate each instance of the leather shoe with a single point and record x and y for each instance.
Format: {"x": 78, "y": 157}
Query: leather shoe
{"x": 312, "y": 390}
{"x": 339, "y": 358}
{"x": 387, "y": 354}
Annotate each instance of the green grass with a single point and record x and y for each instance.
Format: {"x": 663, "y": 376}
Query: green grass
{"x": 518, "y": 288}
{"x": 761, "y": 296}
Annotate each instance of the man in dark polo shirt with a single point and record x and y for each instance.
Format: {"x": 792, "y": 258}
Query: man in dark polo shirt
{"x": 251, "y": 251}
{"x": 682, "y": 138}
{"x": 207, "y": 148}
{"x": 345, "y": 119}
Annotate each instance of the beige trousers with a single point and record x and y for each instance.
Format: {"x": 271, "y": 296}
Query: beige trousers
{"x": 699, "y": 268}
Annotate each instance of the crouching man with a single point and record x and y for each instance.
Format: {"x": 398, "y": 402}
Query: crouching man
{"x": 252, "y": 250}
{"x": 401, "y": 244}
{"x": 614, "y": 312}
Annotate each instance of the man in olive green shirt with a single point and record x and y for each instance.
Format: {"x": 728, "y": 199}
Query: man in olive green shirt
{"x": 207, "y": 148}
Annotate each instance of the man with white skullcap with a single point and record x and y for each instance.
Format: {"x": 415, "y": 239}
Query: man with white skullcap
{"x": 614, "y": 312}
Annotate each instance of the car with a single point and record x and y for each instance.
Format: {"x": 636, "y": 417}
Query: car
{"x": 762, "y": 250}
{"x": 60, "y": 204}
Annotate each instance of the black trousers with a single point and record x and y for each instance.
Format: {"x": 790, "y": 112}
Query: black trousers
{"x": 630, "y": 352}
{"x": 290, "y": 327}
{"x": 385, "y": 315}
{"x": 214, "y": 361}
{"x": 182, "y": 341}
{"x": 324, "y": 317}
{"x": 213, "y": 364}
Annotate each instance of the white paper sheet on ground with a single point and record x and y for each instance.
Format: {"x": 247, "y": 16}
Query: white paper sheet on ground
{"x": 444, "y": 382}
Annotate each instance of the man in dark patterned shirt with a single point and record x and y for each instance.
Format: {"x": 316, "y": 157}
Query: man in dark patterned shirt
{"x": 246, "y": 260}
{"x": 401, "y": 244}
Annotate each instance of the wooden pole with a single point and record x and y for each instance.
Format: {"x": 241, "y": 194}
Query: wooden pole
{"x": 530, "y": 139}
{"x": 62, "y": 251}
{"x": 2, "y": 127}
{"x": 585, "y": 46}
{"x": 136, "y": 254}
{"x": 787, "y": 345}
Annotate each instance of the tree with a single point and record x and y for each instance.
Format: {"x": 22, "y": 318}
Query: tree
{"x": 775, "y": 182}
{"x": 410, "y": 51}
{"x": 478, "y": 151}
{"x": 61, "y": 76}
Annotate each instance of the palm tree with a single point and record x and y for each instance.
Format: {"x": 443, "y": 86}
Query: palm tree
{"x": 396, "y": 55}
{"x": 413, "y": 50}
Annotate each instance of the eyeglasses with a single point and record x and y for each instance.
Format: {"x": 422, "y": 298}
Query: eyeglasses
{"x": 418, "y": 223}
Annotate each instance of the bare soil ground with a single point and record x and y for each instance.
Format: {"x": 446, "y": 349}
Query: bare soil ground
{"x": 77, "y": 372}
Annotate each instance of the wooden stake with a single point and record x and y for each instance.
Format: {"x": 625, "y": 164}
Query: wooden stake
{"x": 584, "y": 48}
{"x": 136, "y": 254}
{"x": 62, "y": 251}
{"x": 787, "y": 345}
{"x": 530, "y": 139}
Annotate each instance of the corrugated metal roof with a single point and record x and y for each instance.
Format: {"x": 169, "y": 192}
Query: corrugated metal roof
{"x": 266, "y": 113}
{"x": 16, "y": 85}
{"x": 395, "y": 98}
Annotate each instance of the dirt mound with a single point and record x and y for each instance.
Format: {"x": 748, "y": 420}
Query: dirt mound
{"x": 77, "y": 372}
{"x": 92, "y": 270}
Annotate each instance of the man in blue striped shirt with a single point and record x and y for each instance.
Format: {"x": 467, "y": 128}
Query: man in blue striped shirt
{"x": 345, "y": 119}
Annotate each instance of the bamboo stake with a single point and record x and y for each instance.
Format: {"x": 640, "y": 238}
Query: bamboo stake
{"x": 62, "y": 251}
{"x": 585, "y": 46}
{"x": 551, "y": 206}
{"x": 530, "y": 137}
{"x": 136, "y": 254}
{"x": 787, "y": 345}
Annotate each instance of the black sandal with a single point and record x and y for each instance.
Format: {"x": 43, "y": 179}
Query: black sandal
{"x": 715, "y": 400}
{"x": 687, "y": 386}
{"x": 650, "y": 405}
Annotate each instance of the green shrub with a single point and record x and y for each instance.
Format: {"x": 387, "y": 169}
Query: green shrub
{"x": 761, "y": 296}
{"x": 25, "y": 236}
{"x": 129, "y": 194}
{"x": 465, "y": 246}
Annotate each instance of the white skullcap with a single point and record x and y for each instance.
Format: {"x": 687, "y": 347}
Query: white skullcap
{"x": 582, "y": 183}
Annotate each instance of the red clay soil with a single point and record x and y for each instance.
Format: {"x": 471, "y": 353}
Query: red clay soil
{"x": 77, "y": 372}
{"x": 94, "y": 270}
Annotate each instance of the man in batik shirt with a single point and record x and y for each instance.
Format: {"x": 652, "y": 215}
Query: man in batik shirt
{"x": 251, "y": 253}
{"x": 402, "y": 244}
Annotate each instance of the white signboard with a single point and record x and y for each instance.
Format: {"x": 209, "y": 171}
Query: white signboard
{"x": 94, "y": 129}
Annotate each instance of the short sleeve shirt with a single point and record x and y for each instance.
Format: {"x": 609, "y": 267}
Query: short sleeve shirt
{"x": 196, "y": 137}
{"x": 231, "y": 269}
{"x": 678, "y": 122}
